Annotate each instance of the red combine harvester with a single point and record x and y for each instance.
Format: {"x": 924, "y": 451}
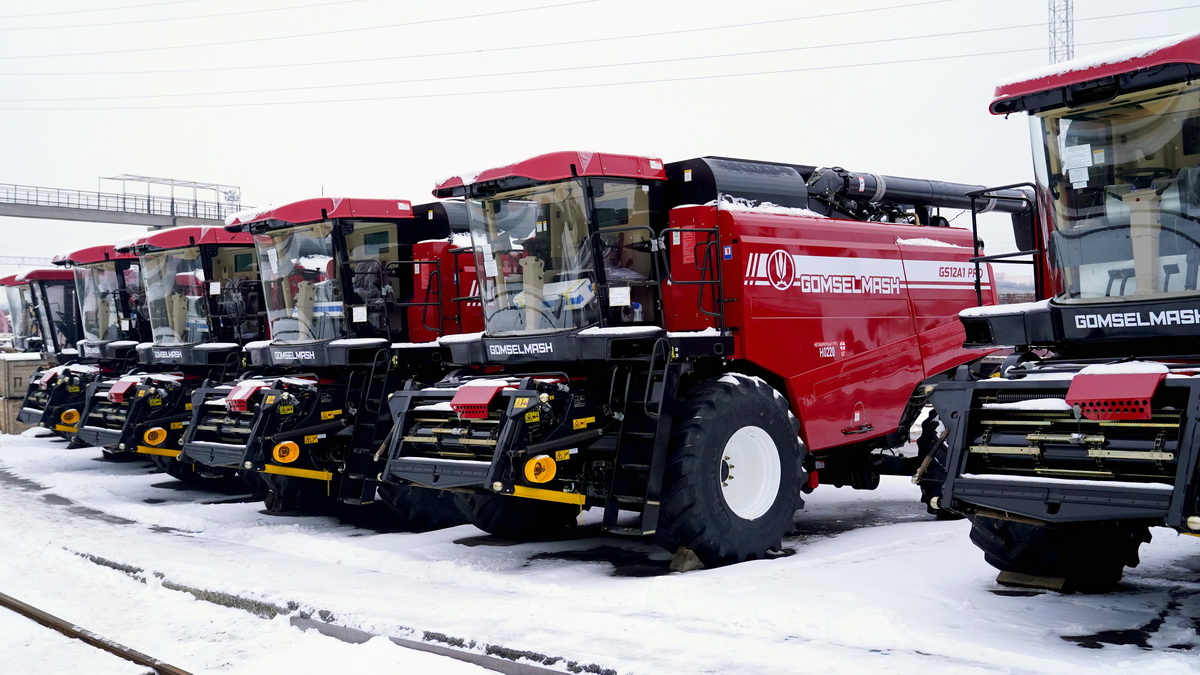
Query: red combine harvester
{"x": 202, "y": 297}
{"x": 697, "y": 342}
{"x": 23, "y": 322}
{"x": 357, "y": 293}
{"x": 1088, "y": 436}
{"x": 51, "y": 293}
{"x": 109, "y": 288}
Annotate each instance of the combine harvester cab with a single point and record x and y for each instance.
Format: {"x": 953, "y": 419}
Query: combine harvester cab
{"x": 1088, "y": 437}
{"x": 53, "y": 307}
{"x": 203, "y": 300}
{"x": 22, "y": 353}
{"x": 357, "y": 293}
{"x": 697, "y": 342}
{"x": 109, "y": 290}
{"x": 23, "y": 321}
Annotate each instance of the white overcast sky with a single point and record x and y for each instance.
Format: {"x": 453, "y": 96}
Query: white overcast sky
{"x": 377, "y": 98}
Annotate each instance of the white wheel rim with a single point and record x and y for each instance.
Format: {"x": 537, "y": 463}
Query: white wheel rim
{"x": 749, "y": 471}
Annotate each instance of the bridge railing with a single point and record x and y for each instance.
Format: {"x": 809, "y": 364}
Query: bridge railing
{"x": 106, "y": 201}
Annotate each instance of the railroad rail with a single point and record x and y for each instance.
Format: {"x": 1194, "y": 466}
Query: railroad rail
{"x": 71, "y": 630}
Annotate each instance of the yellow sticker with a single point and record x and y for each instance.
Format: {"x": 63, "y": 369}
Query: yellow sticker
{"x": 311, "y": 439}
{"x": 533, "y": 416}
{"x": 269, "y": 399}
{"x": 521, "y": 402}
{"x": 187, "y": 406}
{"x": 155, "y": 401}
{"x": 176, "y": 425}
{"x": 582, "y": 422}
{"x": 286, "y": 410}
{"x": 141, "y": 392}
{"x": 73, "y": 388}
{"x": 562, "y": 455}
{"x": 330, "y": 414}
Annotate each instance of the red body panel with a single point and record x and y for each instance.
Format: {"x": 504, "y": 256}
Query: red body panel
{"x": 1114, "y": 396}
{"x": 320, "y": 208}
{"x": 184, "y": 237}
{"x": 444, "y": 276}
{"x": 852, "y": 320}
{"x": 92, "y": 254}
{"x": 10, "y": 280}
{"x": 562, "y": 165}
{"x": 1186, "y": 50}
{"x": 45, "y": 274}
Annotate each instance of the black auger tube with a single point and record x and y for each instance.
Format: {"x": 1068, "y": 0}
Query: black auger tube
{"x": 872, "y": 187}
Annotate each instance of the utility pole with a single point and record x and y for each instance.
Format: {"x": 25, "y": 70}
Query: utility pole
{"x": 1062, "y": 31}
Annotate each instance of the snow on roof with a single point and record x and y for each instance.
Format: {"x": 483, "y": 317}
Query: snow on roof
{"x": 998, "y": 310}
{"x": 921, "y": 241}
{"x": 1032, "y": 404}
{"x": 621, "y": 330}
{"x": 461, "y": 337}
{"x": 730, "y": 203}
{"x": 1102, "y": 59}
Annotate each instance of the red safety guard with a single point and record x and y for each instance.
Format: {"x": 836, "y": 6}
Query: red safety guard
{"x": 1114, "y": 396}
{"x": 239, "y": 397}
{"x": 472, "y": 402}
{"x": 117, "y": 393}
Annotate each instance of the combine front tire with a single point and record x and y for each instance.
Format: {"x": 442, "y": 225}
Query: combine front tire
{"x": 1089, "y": 556}
{"x": 421, "y": 509}
{"x": 733, "y": 480}
{"x": 517, "y": 518}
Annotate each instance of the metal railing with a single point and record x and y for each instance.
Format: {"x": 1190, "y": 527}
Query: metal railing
{"x": 123, "y": 203}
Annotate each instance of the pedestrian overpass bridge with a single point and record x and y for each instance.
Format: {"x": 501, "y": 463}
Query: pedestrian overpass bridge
{"x": 153, "y": 211}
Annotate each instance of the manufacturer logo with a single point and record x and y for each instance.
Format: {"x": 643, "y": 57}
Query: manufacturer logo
{"x": 297, "y": 355}
{"x": 520, "y": 349}
{"x": 168, "y": 353}
{"x": 781, "y": 269}
{"x": 91, "y": 350}
{"x": 1172, "y": 317}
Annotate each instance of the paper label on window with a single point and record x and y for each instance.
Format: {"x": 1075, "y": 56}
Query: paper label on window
{"x": 1098, "y": 156}
{"x": 273, "y": 260}
{"x": 1077, "y": 156}
{"x": 687, "y": 175}
{"x": 358, "y": 314}
{"x": 1078, "y": 177}
{"x": 214, "y": 288}
{"x": 618, "y": 296}
{"x": 124, "y": 324}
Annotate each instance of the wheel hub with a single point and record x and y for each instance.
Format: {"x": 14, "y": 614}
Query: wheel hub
{"x": 750, "y": 472}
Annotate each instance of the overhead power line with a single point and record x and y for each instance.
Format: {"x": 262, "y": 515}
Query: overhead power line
{"x": 493, "y": 92}
{"x": 61, "y": 26}
{"x": 341, "y": 31}
{"x": 538, "y": 71}
{"x": 575, "y": 42}
{"x": 96, "y": 9}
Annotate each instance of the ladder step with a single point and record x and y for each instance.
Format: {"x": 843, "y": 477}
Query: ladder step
{"x": 640, "y": 468}
{"x": 355, "y": 501}
{"x": 627, "y": 499}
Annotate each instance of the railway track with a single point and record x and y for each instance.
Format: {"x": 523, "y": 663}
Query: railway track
{"x": 79, "y": 633}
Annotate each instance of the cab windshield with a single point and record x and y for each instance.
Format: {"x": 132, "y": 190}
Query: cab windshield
{"x": 177, "y": 295}
{"x": 99, "y": 295}
{"x": 537, "y": 253}
{"x": 300, "y": 281}
{"x": 1123, "y": 183}
{"x": 20, "y": 308}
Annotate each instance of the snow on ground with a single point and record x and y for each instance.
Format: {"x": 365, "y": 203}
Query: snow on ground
{"x": 872, "y": 584}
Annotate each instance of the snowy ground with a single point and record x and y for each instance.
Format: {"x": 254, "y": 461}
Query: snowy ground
{"x": 874, "y": 585}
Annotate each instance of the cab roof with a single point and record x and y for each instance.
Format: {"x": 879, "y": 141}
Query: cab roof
{"x": 321, "y": 208}
{"x": 1101, "y": 77}
{"x": 91, "y": 255}
{"x": 557, "y": 166}
{"x": 45, "y": 274}
{"x": 10, "y": 280}
{"x": 184, "y": 237}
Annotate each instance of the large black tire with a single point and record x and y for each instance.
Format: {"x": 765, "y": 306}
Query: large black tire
{"x": 421, "y": 509}
{"x": 930, "y": 446}
{"x": 518, "y": 518}
{"x": 731, "y": 428}
{"x": 1089, "y": 556}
